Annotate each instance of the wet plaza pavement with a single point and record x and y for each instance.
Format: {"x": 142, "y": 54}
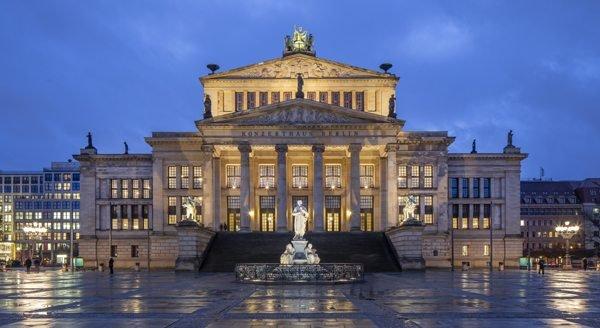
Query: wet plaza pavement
{"x": 406, "y": 299}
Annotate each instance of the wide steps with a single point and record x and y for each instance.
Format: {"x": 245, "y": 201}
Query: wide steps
{"x": 369, "y": 248}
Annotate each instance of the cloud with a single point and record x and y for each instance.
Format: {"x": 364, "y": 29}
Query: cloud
{"x": 436, "y": 39}
{"x": 581, "y": 69}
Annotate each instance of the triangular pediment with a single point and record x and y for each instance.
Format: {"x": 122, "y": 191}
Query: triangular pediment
{"x": 290, "y": 66}
{"x": 299, "y": 112}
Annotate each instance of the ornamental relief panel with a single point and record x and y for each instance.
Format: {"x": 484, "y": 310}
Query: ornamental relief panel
{"x": 309, "y": 68}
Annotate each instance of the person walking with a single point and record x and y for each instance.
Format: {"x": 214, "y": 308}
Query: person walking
{"x": 542, "y": 265}
{"x": 585, "y": 263}
{"x": 28, "y": 265}
{"x": 111, "y": 264}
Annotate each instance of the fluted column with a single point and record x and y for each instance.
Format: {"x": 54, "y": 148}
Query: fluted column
{"x": 355, "y": 186}
{"x": 318, "y": 186}
{"x": 281, "y": 188}
{"x": 392, "y": 186}
{"x": 245, "y": 187}
{"x": 207, "y": 186}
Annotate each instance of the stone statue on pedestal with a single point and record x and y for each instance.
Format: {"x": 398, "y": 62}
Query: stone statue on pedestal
{"x": 189, "y": 203}
{"x": 300, "y": 215}
{"x": 392, "y": 107}
{"x": 287, "y": 257}
{"x": 409, "y": 207}
{"x": 311, "y": 255}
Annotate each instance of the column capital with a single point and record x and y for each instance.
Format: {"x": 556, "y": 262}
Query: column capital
{"x": 244, "y": 148}
{"x": 318, "y": 148}
{"x": 355, "y": 147}
{"x": 391, "y": 147}
{"x": 281, "y": 148}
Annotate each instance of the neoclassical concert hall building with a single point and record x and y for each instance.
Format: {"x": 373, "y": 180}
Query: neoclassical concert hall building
{"x": 301, "y": 128}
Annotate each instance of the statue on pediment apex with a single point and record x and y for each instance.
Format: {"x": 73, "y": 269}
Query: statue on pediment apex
{"x": 300, "y": 42}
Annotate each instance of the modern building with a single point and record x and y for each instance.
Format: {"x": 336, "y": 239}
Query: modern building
{"x": 301, "y": 128}
{"x": 39, "y": 209}
{"x": 547, "y": 204}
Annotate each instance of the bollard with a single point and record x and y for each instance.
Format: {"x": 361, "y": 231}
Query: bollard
{"x": 501, "y": 266}
{"x": 598, "y": 266}
{"x": 137, "y": 267}
{"x": 465, "y": 266}
{"x": 101, "y": 267}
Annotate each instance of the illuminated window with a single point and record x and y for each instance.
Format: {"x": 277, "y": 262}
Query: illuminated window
{"x": 185, "y": 177}
{"x": 333, "y": 176}
{"x": 367, "y": 179}
{"x": 263, "y": 98}
{"x": 172, "y": 210}
{"x": 300, "y": 176}
{"x": 124, "y": 217}
{"x": 274, "y": 97}
{"x": 402, "y": 176}
{"x": 465, "y": 250}
{"x": 475, "y": 219}
{"x": 335, "y": 98}
{"x": 414, "y": 176}
{"x": 465, "y": 217}
{"x": 348, "y": 100}
{"x": 135, "y": 251}
{"x": 146, "y": 186}
{"x": 239, "y": 101}
{"x": 486, "y": 216}
{"x": 428, "y": 176}
{"x": 266, "y": 176}
{"x": 360, "y": 100}
{"x": 233, "y": 175}
{"x": 324, "y": 96}
{"x": 250, "y": 100}
{"x": 523, "y": 223}
{"x": 172, "y": 177}
{"x": 486, "y": 250}
{"x": 135, "y": 188}
{"x": 145, "y": 216}
{"x": 197, "y": 182}
{"x": 135, "y": 217}
{"x": 311, "y": 95}
{"x": 124, "y": 188}
{"x": 114, "y": 188}
{"x": 428, "y": 215}
{"x": 114, "y": 217}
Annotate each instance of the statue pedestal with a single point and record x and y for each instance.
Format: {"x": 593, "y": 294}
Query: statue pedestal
{"x": 299, "y": 247}
{"x": 407, "y": 241}
{"x": 193, "y": 242}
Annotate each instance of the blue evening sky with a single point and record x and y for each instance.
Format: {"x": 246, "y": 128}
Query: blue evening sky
{"x": 123, "y": 69}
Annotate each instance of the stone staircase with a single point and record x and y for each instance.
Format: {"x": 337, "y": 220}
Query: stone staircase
{"x": 369, "y": 248}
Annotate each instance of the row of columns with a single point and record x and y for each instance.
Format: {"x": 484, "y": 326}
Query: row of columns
{"x": 318, "y": 196}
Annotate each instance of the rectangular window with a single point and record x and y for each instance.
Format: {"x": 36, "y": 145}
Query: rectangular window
{"x": 197, "y": 182}
{"x": 266, "y": 176}
{"x": 114, "y": 188}
{"x": 311, "y": 95}
{"x": 476, "y": 212}
{"x": 287, "y": 95}
{"x": 124, "y": 188}
{"x": 113, "y": 251}
{"x": 428, "y": 215}
{"x": 233, "y": 175}
{"x": 146, "y": 216}
{"x": 239, "y": 101}
{"x": 465, "y": 250}
{"x": 486, "y": 250}
{"x": 263, "y": 98}
{"x": 146, "y": 186}
{"x": 185, "y": 178}
{"x": 135, "y": 188}
{"x": 414, "y": 176}
{"x": 124, "y": 217}
{"x": 135, "y": 217}
{"x": 324, "y": 96}
{"x": 402, "y": 176}
{"x": 476, "y": 193}
{"x": 251, "y": 100}
{"x": 172, "y": 210}
{"x": 428, "y": 176}
{"x": 274, "y": 97}
{"x": 114, "y": 218}
{"x": 360, "y": 100}
{"x": 367, "y": 178}
{"x": 465, "y": 217}
{"x": 453, "y": 187}
{"x": 348, "y": 100}
{"x": 465, "y": 188}
{"x": 172, "y": 177}
{"x": 486, "y": 216}
{"x": 335, "y": 98}
{"x": 333, "y": 176}
{"x": 487, "y": 190}
{"x": 299, "y": 176}
{"x": 135, "y": 251}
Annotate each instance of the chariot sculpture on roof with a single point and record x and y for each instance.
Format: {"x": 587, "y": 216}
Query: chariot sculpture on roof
{"x": 300, "y": 42}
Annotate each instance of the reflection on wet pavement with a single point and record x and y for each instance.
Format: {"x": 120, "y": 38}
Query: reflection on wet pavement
{"x": 407, "y": 299}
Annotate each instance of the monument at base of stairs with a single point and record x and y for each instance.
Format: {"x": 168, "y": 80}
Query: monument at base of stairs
{"x": 299, "y": 263}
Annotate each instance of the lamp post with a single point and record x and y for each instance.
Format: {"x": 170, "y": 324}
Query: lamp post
{"x": 567, "y": 232}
